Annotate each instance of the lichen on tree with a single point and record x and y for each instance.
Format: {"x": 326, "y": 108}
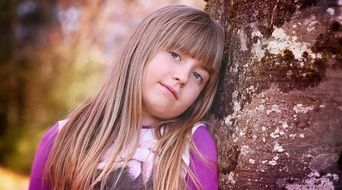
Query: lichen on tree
{"x": 279, "y": 103}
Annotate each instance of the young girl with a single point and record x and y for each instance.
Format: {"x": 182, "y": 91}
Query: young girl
{"x": 142, "y": 129}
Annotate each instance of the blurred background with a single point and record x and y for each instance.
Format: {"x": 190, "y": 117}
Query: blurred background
{"x": 52, "y": 55}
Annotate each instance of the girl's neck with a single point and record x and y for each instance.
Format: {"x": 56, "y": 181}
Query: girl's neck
{"x": 148, "y": 120}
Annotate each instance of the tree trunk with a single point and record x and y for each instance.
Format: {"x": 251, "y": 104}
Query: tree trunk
{"x": 280, "y": 124}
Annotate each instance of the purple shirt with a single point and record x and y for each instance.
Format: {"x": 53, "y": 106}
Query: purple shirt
{"x": 202, "y": 138}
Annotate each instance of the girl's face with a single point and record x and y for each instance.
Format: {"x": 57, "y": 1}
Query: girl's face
{"x": 171, "y": 83}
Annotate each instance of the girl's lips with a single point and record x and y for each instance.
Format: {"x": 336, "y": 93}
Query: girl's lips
{"x": 169, "y": 88}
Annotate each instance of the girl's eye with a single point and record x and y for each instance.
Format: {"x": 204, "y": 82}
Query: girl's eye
{"x": 175, "y": 55}
{"x": 197, "y": 76}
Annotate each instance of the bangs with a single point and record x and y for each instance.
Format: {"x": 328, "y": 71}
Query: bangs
{"x": 199, "y": 41}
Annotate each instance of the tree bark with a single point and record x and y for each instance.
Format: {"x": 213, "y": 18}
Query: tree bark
{"x": 279, "y": 104}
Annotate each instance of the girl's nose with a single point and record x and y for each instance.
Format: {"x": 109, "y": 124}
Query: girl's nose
{"x": 181, "y": 77}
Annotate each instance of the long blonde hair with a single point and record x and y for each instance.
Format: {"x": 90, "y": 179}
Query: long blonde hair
{"x": 113, "y": 116}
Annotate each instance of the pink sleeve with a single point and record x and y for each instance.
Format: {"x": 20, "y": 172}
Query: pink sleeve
{"x": 42, "y": 153}
{"x": 207, "y": 175}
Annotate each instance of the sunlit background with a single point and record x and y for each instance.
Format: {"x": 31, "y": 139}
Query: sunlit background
{"x": 52, "y": 56}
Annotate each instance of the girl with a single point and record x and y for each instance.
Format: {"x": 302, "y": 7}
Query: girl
{"x": 141, "y": 130}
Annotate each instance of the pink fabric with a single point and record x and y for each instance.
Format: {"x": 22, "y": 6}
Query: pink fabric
{"x": 44, "y": 148}
{"x": 207, "y": 175}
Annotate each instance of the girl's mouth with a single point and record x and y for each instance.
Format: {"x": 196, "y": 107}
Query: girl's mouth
{"x": 170, "y": 89}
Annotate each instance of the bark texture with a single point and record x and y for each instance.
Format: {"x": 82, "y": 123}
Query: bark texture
{"x": 279, "y": 105}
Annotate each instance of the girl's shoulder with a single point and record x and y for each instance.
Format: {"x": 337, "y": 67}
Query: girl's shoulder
{"x": 200, "y": 128}
{"x": 204, "y": 142}
{"x": 41, "y": 156}
{"x": 204, "y": 170}
{"x": 201, "y": 135}
{"x": 52, "y": 132}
